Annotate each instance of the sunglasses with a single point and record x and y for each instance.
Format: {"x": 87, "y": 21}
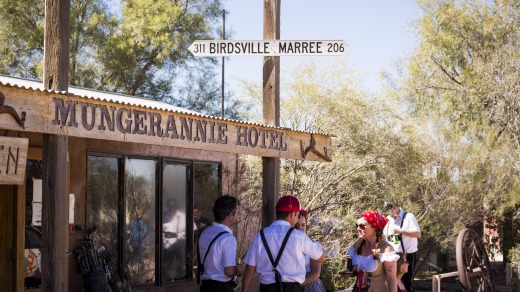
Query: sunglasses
{"x": 362, "y": 226}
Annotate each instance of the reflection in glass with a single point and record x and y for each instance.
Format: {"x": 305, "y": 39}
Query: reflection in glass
{"x": 205, "y": 191}
{"x": 206, "y": 187}
{"x": 140, "y": 191}
{"x": 33, "y": 170}
{"x": 102, "y": 202}
{"x": 174, "y": 192}
{"x": 139, "y": 238}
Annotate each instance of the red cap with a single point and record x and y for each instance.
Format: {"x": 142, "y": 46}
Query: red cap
{"x": 289, "y": 204}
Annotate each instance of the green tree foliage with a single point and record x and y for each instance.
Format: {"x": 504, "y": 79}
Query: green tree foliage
{"x": 468, "y": 63}
{"x": 444, "y": 144}
{"x": 21, "y": 36}
{"x": 138, "y": 49}
{"x": 153, "y": 35}
{"x": 374, "y": 153}
{"x": 375, "y": 156}
{"x": 463, "y": 84}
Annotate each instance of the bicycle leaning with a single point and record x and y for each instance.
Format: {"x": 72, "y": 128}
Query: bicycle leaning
{"x": 94, "y": 265}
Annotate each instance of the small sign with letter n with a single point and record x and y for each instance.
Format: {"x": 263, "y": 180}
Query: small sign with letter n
{"x": 13, "y": 157}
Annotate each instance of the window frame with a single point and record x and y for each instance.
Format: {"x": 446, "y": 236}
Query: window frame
{"x": 161, "y": 161}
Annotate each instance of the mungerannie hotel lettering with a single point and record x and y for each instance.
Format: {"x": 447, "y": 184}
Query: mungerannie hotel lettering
{"x": 98, "y": 117}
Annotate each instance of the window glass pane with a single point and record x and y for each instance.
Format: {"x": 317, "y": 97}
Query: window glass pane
{"x": 34, "y": 170}
{"x": 102, "y": 202}
{"x": 205, "y": 192}
{"x": 140, "y": 194}
{"x": 174, "y": 192}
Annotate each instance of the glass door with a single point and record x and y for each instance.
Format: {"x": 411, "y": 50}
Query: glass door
{"x": 175, "y": 224}
{"x": 140, "y": 219}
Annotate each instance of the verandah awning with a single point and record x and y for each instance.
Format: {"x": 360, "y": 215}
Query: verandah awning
{"x": 100, "y": 115}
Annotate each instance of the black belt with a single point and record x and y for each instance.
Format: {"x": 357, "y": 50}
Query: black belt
{"x": 208, "y": 280}
{"x": 230, "y": 282}
{"x": 228, "y": 285}
{"x": 286, "y": 286}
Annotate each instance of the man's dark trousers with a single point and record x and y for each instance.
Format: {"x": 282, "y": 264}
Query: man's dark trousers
{"x": 216, "y": 286}
{"x": 408, "y": 276}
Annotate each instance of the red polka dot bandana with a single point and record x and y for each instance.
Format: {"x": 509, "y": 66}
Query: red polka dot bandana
{"x": 375, "y": 219}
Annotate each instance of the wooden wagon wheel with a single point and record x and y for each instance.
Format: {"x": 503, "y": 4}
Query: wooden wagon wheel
{"x": 473, "y": 263}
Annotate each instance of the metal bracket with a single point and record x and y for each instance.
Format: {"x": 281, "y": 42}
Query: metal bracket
{"x": 312, "y": 148}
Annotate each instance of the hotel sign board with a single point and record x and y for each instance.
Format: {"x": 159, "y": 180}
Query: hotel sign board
{"x": 62, "y": 114}
{"x": 13, "y": 156}
{"x": 214, "y": 48}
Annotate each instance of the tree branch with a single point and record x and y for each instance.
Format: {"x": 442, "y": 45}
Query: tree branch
{"x": 445, "y": 71}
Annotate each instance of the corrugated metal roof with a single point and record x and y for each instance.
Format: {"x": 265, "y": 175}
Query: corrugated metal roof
{"x": 120, "y": 99}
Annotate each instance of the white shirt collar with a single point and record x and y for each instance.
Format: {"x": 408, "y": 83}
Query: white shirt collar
{"x": 281, "y": 222}
{"x": 223, "y": 227}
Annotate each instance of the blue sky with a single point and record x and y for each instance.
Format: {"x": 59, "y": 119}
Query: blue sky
{"x": 378, "y": 33}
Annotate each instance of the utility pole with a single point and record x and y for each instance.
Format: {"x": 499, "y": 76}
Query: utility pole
{"x": 223, "y": 58}
{"x": 271, "y": 111}
{"x": 54, "y": 151}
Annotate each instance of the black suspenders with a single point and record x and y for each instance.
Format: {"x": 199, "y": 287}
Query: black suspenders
{"x": 402, "y": 221}
{"x": 200, "y": 265}
{"x": 274, "y": 263}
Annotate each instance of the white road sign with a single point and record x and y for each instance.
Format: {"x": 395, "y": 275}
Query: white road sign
{"x": 213, "y": 48}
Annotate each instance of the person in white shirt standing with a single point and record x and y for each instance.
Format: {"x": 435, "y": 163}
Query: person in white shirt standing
{"x": 312, "y": 268}
{"x": 217, "y": 249}
{"x": 402, "y": 231}
{"x": 278, "y": 252}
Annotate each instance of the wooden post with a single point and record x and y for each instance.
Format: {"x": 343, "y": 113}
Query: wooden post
{"x": 54, "y": 213}
{"x": 54, "y": 195}
{"x": 56, "y": 45}
{"x": 271, "y": 111}
{"x": 223, "y": 58}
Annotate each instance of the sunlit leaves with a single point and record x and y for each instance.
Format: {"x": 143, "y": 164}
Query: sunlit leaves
{"x": 138, "y": 48}
{"x": 463, "y": 82}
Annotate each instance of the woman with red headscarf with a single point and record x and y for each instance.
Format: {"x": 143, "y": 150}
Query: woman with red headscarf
{"x": 374, "y": 258}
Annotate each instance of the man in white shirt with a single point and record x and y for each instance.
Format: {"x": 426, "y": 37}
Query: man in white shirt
{"x": 217, "y": 248}
{"x": 402, "y": 231}
{"x": 290, "y": 268}
{"x": 174, "y": 240}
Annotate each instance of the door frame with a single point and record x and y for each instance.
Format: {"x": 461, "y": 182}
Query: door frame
{"x": 33, "y": 154}
{"x": 8, "y": 242}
